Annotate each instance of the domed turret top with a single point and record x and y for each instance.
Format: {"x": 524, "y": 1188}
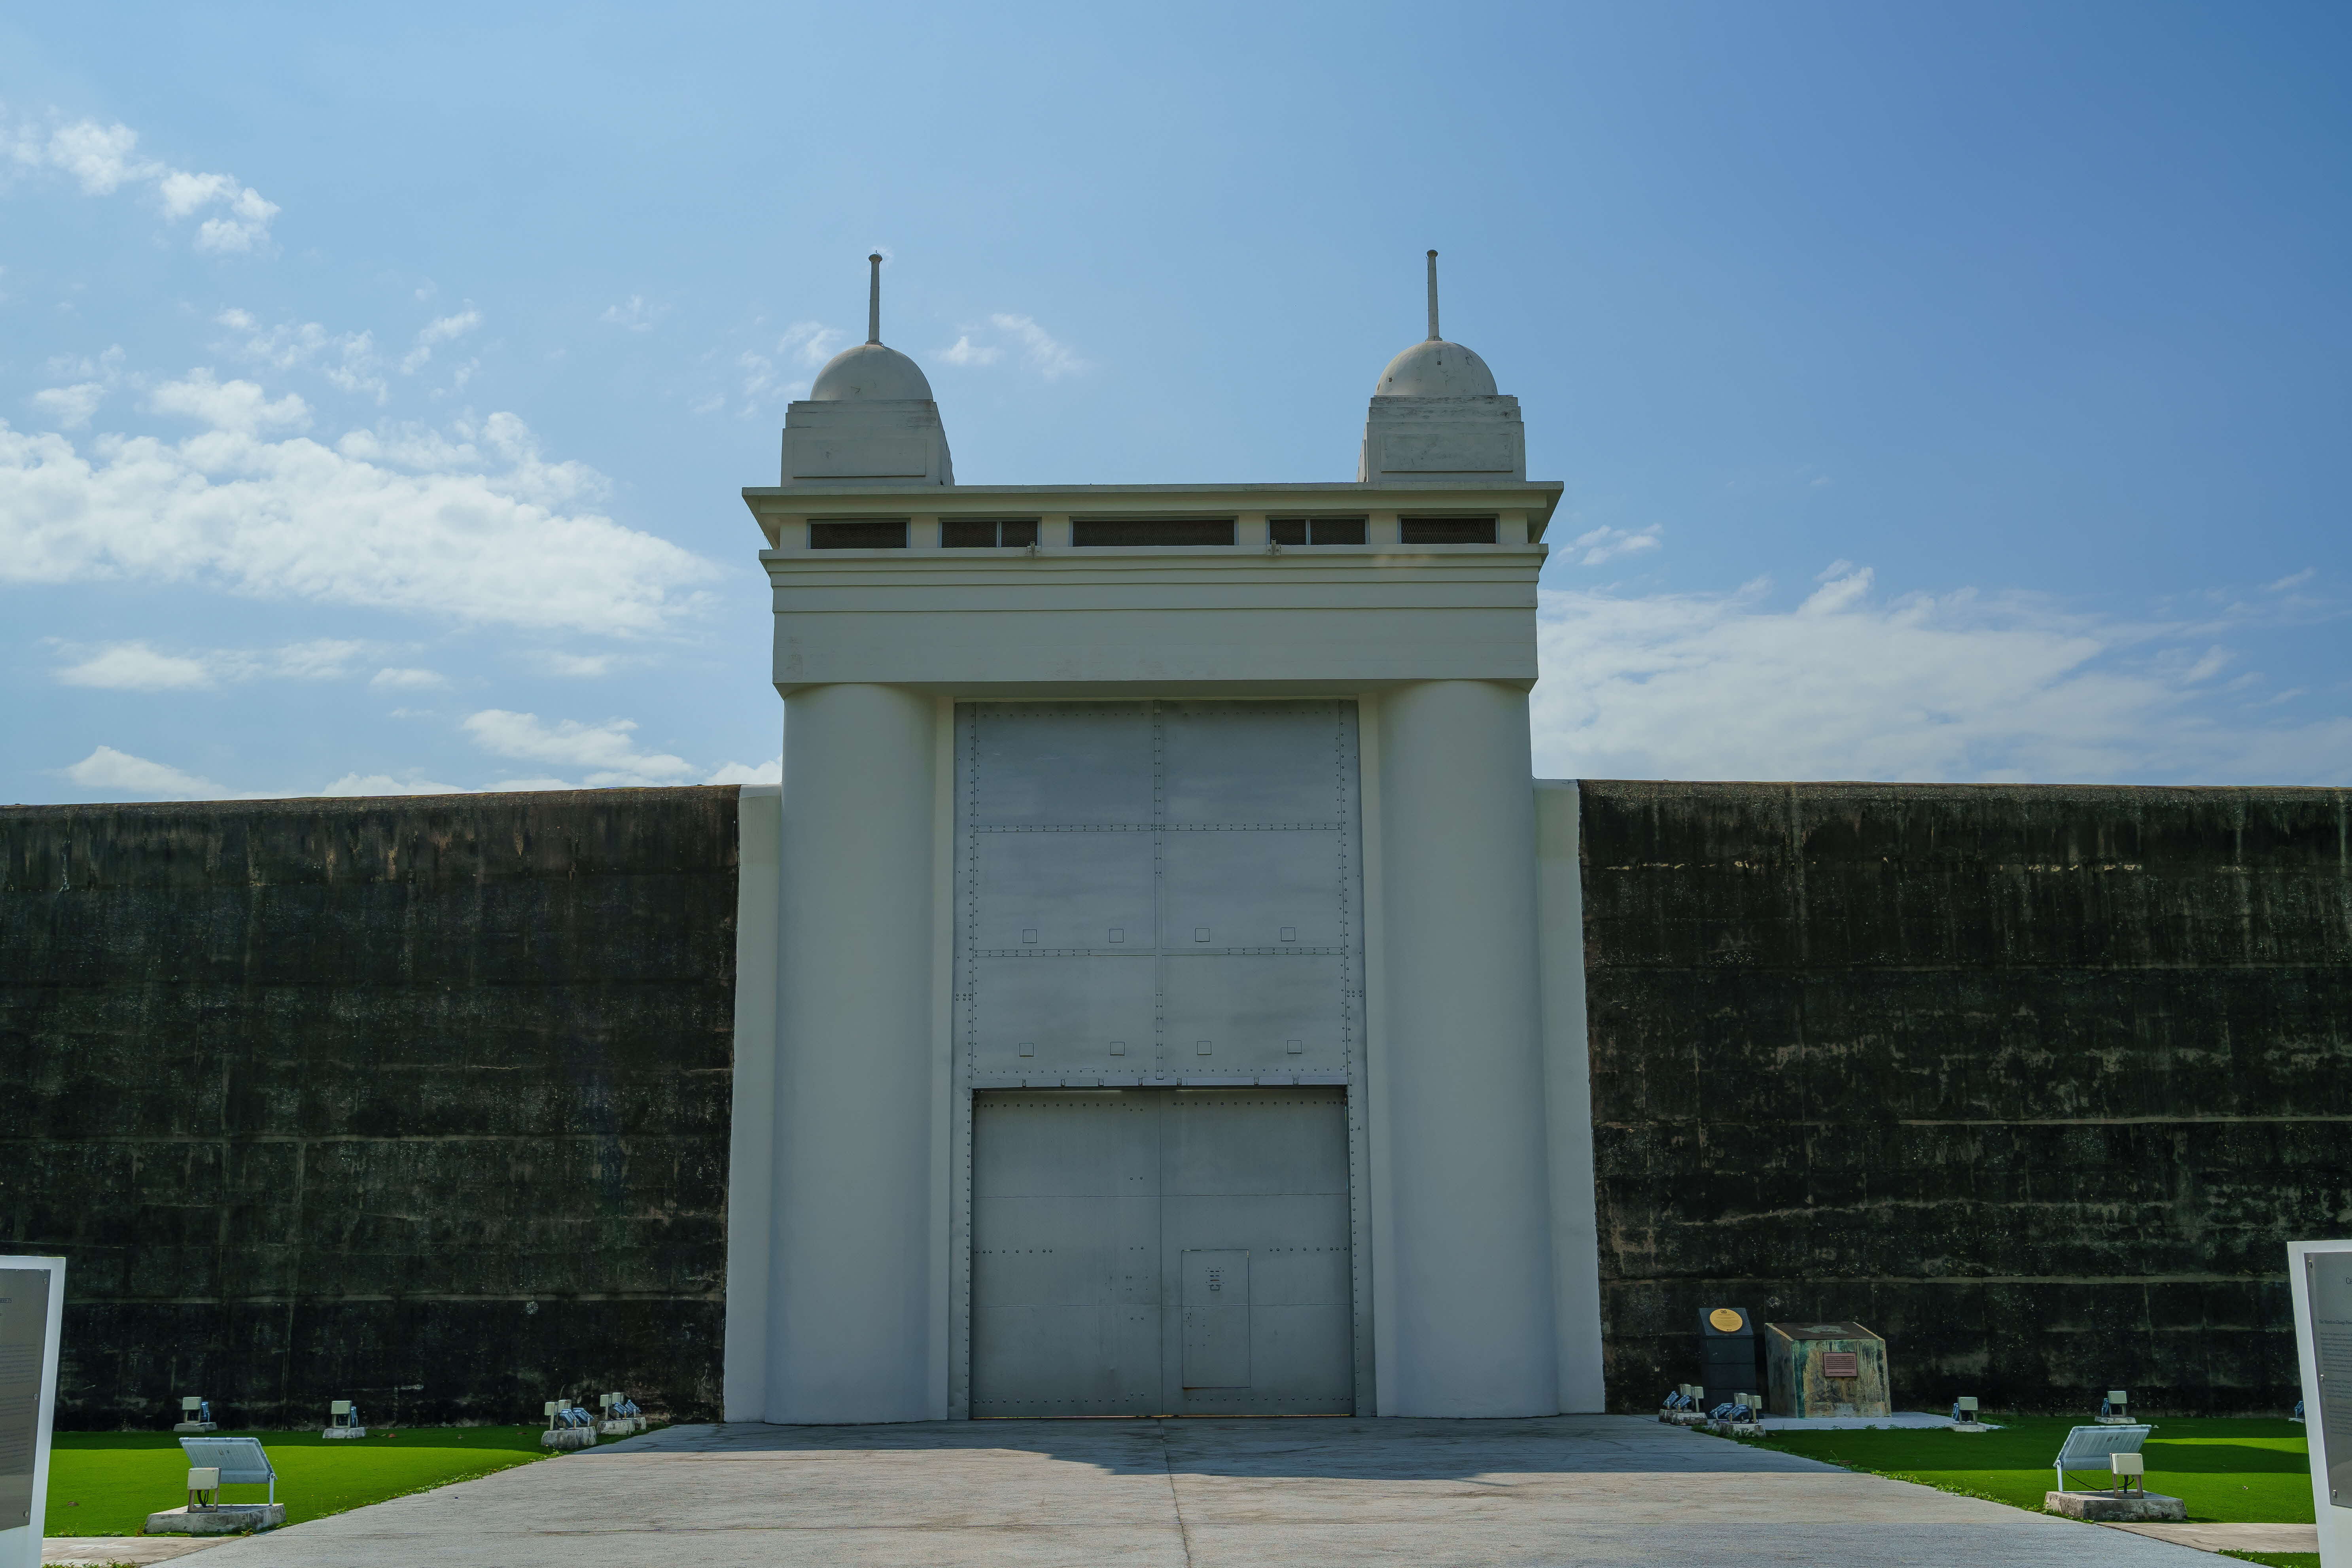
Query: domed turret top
{"x": 869, "y": 372}
{"x": 870, "y": 419}
{"x": 1436, "y": 416}
{"x": 1434, "y": 367}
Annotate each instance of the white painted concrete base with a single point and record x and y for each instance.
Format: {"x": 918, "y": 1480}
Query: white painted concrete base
{"x": 106, "y": 1550}
{"x": 1587, "y": 1489}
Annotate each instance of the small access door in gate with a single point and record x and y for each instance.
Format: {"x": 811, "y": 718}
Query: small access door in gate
{"x": 1147, "y": 1251}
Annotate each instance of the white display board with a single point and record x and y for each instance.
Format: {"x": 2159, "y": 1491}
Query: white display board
{"x": 2320, "y": 1273}
{"x": 32, "y": 1310}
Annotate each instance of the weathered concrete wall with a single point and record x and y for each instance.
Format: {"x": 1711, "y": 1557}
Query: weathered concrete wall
{"x": 2034, "y": 1081}
{"x": 328, "y": 1097}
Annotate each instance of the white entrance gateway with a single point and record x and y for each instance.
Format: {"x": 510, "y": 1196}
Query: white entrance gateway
{"x": 1160, "y": 979}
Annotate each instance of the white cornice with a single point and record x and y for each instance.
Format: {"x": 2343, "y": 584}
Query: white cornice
{"x": 1065, "y": 620}
{"x": 773, "y": 505}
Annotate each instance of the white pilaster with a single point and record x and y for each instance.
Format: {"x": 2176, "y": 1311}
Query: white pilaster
{"x": 1567, "y": 1092}
{"x": 1470, "y": 1181}
{"x": 751, "y": 1158}
{"x": 851, "y": 1274}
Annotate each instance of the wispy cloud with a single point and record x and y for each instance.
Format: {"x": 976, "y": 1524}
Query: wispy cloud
{"x": 1599, "y": 544}
{"x": 1045, "y": 353}
{"x": 238, "y": 406}
{"x": 634, "y": 315}
{"x": 106, "y": 769}
{"x": 574, "y": 666}
{"x": 810, "y": 342}
{"x": 460, "y": 521}
{"x": 440, "y": 330}
{"x": 347, "y": 360}
{"x": 109, "y": 773}
{"x": 606, "y": 750}
{"x": 104, "y": 158}
{"x": 1038, "y": 349}
{"x": 71, "y": 407}
{"x": 391, "y": 679}
{"x": 138, "y": 667}
{"x": 1961, "y": 686}
{"x": 385, "y": 783}
{"x": 963, "y": 351}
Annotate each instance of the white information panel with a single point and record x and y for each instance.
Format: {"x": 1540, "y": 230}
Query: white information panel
{"x": 2320, "y": 1273}
{"x": 32, "y": 1306}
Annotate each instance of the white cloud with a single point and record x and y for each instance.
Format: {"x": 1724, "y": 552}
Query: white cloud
{"x": 136, "y": 667}
{"x": 234, "y": 405}
{"x": 605, "y": 749}
{"x": 1600, "y": 544}
{"x": 963, "y": 351}
{"x": 471, "y": 523}
{"x": 1961, "y": 687}
{"x": 384, "y": 783}
{"x": 99, "y": 156}
{"x": 441, "y": 330}
{"x": 102, "y": 159}
{"x": 406, "y": 679}
{"x": 811, "y": 343}
{"x": 347, "y": 360}
{"x": 109, "y": 769}
{"x": 1047, "y": 354}
{"x": 579, "y": 666}
{"x": 767, "y": 773}
{"x": 71, "y": 406}
{"x": 1039, "y": 349}
{"x": 634, "y": 315}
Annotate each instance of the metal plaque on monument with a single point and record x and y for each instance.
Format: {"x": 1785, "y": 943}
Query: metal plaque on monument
{"x": 32, "y": 1298}
{"x": 2320, "y": 1274}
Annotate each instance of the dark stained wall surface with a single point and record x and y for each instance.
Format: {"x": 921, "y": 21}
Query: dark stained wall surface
{"x": 419, "y": 1101}
{"x": 2035, "y": 1082}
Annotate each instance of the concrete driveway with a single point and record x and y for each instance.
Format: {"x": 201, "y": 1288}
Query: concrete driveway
{"x": 1189, "y": 1494}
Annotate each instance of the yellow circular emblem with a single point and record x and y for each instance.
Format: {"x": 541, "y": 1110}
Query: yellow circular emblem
{"x": 1726, "y": 1320}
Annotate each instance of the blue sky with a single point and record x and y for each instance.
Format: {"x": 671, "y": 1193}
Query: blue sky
{"x": 1942, "y": 392}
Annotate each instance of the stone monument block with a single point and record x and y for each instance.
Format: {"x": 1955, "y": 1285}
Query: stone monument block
{"x": 1825, "y": 1369}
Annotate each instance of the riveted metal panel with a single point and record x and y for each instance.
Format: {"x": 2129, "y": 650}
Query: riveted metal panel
{"x": 1145, "y": 1251}
{"x": 1066, "y": 1255}
{"x": 1199, "y": 859}
{"x": 1150, "y": 896}
{"x": 1263, "y": 1174}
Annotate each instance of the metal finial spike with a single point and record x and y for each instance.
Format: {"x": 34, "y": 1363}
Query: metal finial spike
{"x": 874, "y": 299}
{"x": 1433, "y": 296}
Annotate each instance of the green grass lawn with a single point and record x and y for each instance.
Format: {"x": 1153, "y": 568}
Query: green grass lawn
{"x": 107, "y": 1483}
{"x": 2223, "y": 1467}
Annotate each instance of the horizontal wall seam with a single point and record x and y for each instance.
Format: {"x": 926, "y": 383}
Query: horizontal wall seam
{"x": 306, "y": 1300}
{"x": 2184, "y": 1119}
{"x": 1726, "y": 1281}
{"x": 213, "y": 1140}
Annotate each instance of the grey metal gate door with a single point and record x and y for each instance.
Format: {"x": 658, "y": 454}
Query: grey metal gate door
{"x": 1143, "y": 1251}
{"x": 1159, "y": 903}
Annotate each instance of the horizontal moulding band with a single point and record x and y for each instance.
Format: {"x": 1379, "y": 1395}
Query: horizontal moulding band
{"x": 1160, "y": 1080}
{"x": 1140, "y": 950}
{"x": 1159, "y": 827}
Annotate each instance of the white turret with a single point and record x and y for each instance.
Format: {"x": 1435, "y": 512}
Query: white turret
{"x": 1436, "y": 415}
{"x": 870, "y": 419}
